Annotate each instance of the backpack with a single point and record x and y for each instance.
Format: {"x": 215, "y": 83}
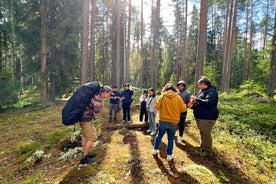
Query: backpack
{"x": 73, "y": 109}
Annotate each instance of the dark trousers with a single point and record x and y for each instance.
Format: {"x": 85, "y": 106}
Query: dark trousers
{"x": 182, "y": 124}
{"x": 126, "y": 111}
{"x": 143, "y": 112}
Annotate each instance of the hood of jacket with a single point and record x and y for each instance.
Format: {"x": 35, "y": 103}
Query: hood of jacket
{"x": 170, "y": 94}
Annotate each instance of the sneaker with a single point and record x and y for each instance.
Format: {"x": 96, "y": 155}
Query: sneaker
{"x": 204, "y": 153}
{"x": 123, "y": 121}
{"x": 86, "y": 160}
{"x": 115, "y": 118}
{"x": 152, "y": 133}
{"x": 154, "y": 152}
{"x": 170, "y": 157}
{"x": 179, "y": 139}
{"x": 129, "y": 122}
{"x": 148, "y": 130}
{"x": 109, "y": 120}
{"x": 91, "y": 155}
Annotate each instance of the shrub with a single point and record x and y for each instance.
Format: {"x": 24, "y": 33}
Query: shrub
{"x": 25, "y": 147}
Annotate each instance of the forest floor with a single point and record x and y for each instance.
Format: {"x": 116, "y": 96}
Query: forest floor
{"x": 122, "y": 155}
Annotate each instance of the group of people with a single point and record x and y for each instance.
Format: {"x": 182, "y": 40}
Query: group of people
{"x": 172, "y": 106}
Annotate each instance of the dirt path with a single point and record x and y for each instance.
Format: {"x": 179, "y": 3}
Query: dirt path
{"x": 123, "y": 156}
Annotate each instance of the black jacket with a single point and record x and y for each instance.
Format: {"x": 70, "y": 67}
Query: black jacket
{"x": 73, "y": 110}
{"x": 206, "y": 104}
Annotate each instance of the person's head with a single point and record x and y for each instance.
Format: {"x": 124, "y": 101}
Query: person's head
{"x": 115, "y": 88}
{"x": 127, "y": 86}
{"x": 145, "y": 91}
{"x": 181, "y": 85}
{"x": 168, "y": 87}
{"x": 152, "y": 92}
{"x": 105, "y": 91}
{"x": 203, "y": 83}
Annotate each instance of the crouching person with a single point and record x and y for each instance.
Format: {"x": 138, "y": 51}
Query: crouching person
{"x": 89, "y": 133}
{"x": 81, "y": 107}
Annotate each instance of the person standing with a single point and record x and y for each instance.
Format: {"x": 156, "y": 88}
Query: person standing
{"x": 185, "y": 95}
{"x": 82, "y": 106}
{"x": 205, "y": 113}
{"x": 114, "y": 103}
{"x": 126, "y": 97}
{"x": 143, "y": 106}
{"x": 170, "y": 105}
{"x": 151, "y": 111}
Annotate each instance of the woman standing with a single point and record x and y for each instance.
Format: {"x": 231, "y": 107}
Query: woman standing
{"x": 170, "y": 105}
{"x": 151, "y": 111}
{"x": 206, "y": 113}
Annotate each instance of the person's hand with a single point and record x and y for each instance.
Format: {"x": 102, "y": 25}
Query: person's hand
{"x": 193, "y": 97}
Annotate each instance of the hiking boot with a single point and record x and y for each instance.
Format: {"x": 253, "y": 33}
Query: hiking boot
{"x": 204, "y": 153}
{"x": 86, "y": 160}
{"x": 91, "y": 155}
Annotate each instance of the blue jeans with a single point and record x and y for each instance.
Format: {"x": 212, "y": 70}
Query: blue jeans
{"x": 152, "y": 123}
{"x": 170, "y": 129}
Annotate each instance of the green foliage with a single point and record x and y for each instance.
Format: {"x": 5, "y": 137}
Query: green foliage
{"x": 247, "y": 122}
{"x": 251, "y": 86}
{"x": 26, "y": 147}
{"x": 34, "y": 179}
{"x": 8, "y": 93}
{"x": 56, "y": 136}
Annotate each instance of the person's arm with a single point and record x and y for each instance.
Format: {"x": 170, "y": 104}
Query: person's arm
{"x": 158, "y": 103}
{"x": 141, "y": 99}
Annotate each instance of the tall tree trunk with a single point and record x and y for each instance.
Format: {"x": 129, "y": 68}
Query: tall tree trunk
{"x": 43, "y": 82}
{"x": 272, "y": 75}
{"x": 202, "y": 39}
{"x": 266, "y": 27}
{"x": 246, "y": 59}
{"x": 178, "y": 50}
{"x": 142, "y": 45}
{"x": 128, "y": 41}
{"x": 155, "y": 26}
{"x": 184, "y": 74}
{"x": 85, "y": 34}
{"x": 92, "y": 41}
{"x": 229, "y": 42}
{"x": 118, "y": 41}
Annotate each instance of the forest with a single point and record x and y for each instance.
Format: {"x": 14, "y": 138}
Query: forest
{"x": 48, "y": 48}
{"x": 56, "y": 45}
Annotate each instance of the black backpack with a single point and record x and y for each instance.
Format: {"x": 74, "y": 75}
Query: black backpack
{"x": 73, "y": 110}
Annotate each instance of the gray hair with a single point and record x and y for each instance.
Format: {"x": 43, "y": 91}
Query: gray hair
{"x": 105, "y": 89}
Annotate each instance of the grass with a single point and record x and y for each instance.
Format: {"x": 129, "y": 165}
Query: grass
{"x": 244, "y": 148}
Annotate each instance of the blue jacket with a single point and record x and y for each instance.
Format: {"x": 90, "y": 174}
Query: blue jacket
{"x": 127, "y": 96}
{"x": 113, "y": 98}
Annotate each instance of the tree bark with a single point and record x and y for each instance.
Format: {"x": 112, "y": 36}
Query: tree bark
{"x": 85, "y": 33}
{"x": 201, "y": 51}
{"x": 272, "y": 75}
{"x": 92, "y": 41}
{"x": 43, "y": 82}
{"x": 118, "y": 41}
